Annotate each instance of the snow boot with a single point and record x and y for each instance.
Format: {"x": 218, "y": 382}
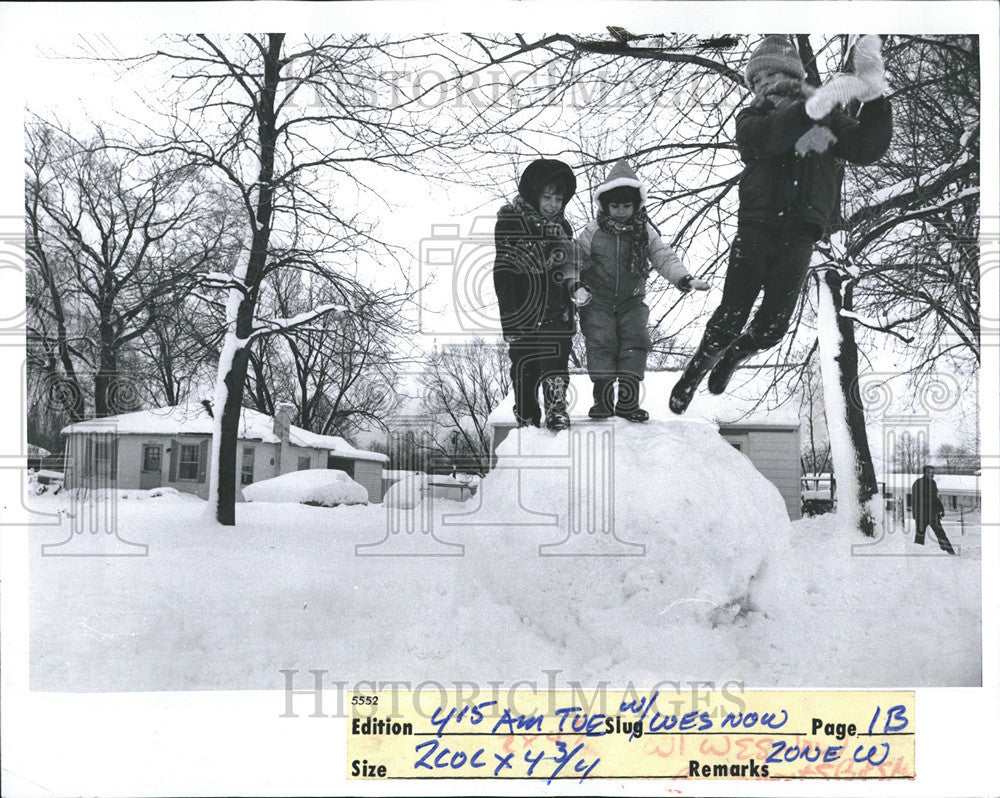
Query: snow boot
{"x": 530, "y": 421}
{"x": 741, "y": 349}
{"x": 556, "y": 413}
{"x": 628, "y": 399}
{"x": 604, "y": 391}
{"x": 700, "y": 364}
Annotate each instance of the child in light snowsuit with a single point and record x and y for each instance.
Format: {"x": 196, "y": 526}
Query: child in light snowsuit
{"x": 794, "y": 140}
{"x": 532, "y": 275}
{"x": 616, "y": 252}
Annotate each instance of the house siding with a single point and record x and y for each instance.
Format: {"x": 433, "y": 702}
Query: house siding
{"x": 775, "y": 453}
{"x": 369, "y": 474}
{"x": 125, "y": 458}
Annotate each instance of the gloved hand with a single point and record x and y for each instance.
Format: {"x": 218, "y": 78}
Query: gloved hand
{"x": 866, "y": 84}
{"x": 581, "y": 296}
{"x": 817, "y": 139}
{"x": 698, "y": 284}
{"x": 841, "y": 124}
{"x": 869, "y": 66}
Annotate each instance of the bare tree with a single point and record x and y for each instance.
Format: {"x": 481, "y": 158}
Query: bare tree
{"x": 340, "y": 370}
{"x": 288, "y": 126}
{"x": 910, "y": 453}
{"x": 903, "y": 260}
{"x": 816, "y": 445}
{"x": 462, "y": 384}
{"x": 112, "y": 238}
{"x": 957, "y": 459}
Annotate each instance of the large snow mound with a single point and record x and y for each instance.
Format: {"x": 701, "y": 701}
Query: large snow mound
{"x": 326, "y": 487}
{"x": 664, "y": 521}
{"x": 718, "y": 595}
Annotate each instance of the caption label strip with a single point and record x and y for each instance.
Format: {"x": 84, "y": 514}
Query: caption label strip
{"x": 625, "y": 735}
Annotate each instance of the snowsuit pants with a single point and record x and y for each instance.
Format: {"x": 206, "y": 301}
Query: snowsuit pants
{"x": 616, "y": 337}
{"x": 534, "y": 357}
{"x": 773, "y": 260}
{"x": 934, "y": 522}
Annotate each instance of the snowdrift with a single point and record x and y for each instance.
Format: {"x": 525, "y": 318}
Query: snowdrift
{"x": 684, "y": 568}
{"x": 664, "y": 522}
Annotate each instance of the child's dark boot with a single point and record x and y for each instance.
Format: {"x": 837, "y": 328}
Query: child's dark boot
{"x": 741, "y": 349}
{"x": 628, "y": 399}
{"x": 700, "y": 364}
{"x": 556, "y": 412}
{"x": 604, "y": 390}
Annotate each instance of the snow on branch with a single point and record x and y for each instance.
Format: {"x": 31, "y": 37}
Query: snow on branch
{"x": 911, "y": 184}
{"x": 875, "y": 324}
{"x": 269, "y": 326}
{"x": 221, "y": 280}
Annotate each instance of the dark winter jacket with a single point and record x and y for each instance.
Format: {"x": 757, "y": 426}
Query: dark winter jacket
{"x": 778, "y": 185}
{"x": 605, "y": 259}
{"x": 926, "y": 503}
{"x": 530, "y": 274}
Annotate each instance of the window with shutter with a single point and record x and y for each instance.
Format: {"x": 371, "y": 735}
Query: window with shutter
{"x": 187, "y": 462}
{"x": 246, "y": 467}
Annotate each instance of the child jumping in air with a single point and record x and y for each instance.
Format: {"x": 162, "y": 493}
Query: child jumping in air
{"x": 616, "y": 253}
{"x": 793, "y": 139}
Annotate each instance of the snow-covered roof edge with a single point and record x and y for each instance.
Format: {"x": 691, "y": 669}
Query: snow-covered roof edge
{"x": 192, "y": 419}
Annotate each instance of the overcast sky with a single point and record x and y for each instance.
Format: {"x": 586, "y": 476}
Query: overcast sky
{"x": 429, "y": 222}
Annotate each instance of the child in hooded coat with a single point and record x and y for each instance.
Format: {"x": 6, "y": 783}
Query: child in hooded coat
{"x": 616, "y": 252}
{"x": 533, "y": 279}
{"x": 794, "y": 140}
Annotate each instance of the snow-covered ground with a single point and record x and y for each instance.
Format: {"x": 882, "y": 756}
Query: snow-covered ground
{"x": 702, "y": 577}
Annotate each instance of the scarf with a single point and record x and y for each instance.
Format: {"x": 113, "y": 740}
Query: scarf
{"x": 635, "y": 229}
{"x": 534, "y": 248}
{"x": 819, "y": 138}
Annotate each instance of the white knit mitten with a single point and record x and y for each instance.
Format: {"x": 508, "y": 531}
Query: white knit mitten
{"x": 865, "y": 85}
{"x": 839, "y": 90}
{"x": 869, "y": 66}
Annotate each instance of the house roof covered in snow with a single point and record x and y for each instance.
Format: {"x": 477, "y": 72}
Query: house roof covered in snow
{"x": 740, "y": 406}
{"x": 193, "y": 419}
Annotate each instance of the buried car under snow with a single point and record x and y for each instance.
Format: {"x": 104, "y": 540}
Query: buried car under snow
{"x": 324, "y": 487}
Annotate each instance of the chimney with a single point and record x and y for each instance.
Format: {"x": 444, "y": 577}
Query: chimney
{"x": 283, "y": 413}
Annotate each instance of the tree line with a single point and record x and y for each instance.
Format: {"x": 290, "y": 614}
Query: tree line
{"x": 231, "y": 241}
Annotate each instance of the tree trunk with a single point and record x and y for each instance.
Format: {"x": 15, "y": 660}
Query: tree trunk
{"x": 106, "y": 371}
{"x": 236, "y": 354}
{"x": 847, "y": 360}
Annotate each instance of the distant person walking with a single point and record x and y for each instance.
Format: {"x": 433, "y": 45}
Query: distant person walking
{"x": 928, "y": 510}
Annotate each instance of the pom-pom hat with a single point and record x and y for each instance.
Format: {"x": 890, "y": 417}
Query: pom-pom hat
{"x": 775, "y": 54}
{"x": 621, "y": 174}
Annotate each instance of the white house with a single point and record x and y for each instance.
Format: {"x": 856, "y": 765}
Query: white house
{"x": 170, "y": 446}
{"x": 768, "y": 436}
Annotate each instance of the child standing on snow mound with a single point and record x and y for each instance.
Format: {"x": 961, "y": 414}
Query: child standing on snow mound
{"x": 616, "y": 252}
{"x": 532, "y": 276}
{"x": 794, "y": 140}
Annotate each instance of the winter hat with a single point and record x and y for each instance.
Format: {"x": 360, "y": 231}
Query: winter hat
{"x": 775, "y": 54}
{"x": 541, "y": 173}
{"x": 621, "y": 174}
